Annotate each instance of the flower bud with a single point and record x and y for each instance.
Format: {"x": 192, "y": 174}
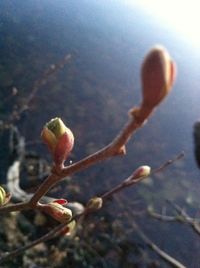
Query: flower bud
{"x": 95, "y": 203}
{"x": 2, "y": 196}
{"x": 157, "y": 75}
{"x": 142, "y": 171}
{"x": 69, "y": 229}
{"x": 139, "y": 173}
{"x": 57, "y": 211}
{"x": 59, "y": 139}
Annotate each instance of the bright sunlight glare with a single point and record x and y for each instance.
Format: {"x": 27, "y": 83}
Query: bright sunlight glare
{"x": 182, "y": 16}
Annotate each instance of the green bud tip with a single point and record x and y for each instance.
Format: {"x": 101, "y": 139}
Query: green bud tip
{"x": 56, "y": 126}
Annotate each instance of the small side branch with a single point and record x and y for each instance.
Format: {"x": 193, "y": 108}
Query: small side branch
{"x": 130, "y": 181}
{"x": 14, "y": 253}
{"x": 117, "y": 147}
{"x": 181, "y": 216}
{"x": 166, "y": 257}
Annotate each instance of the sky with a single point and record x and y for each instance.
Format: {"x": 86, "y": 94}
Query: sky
{"x": 182, "y": 16}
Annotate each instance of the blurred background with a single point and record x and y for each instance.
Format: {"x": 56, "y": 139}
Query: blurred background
{"x": 92, "y": 93}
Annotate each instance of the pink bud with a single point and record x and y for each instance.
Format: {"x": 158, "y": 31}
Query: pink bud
{"x": 157, "y": 74}
{"x": 57, "y": 211}
{"x": 59, "y": 139}
{"x": 142, "y": 171}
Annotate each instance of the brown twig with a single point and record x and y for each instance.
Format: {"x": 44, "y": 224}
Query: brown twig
{"x": 169, "y": 162}
{"x": 29, "y": 204}
{"x": 116, "y": 147}
{"x": 130, "y": 181}
{"x": 53, "y": 179}
{"x": 20, "y": 250}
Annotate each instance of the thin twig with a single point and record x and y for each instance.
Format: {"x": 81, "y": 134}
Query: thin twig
{"x": 153, "y": 246}
{"x": 20, "y": 250}
{"x": 185, "y": 218}
{"x": 53, "y": 178}
{"x": 182, "y": 216}
{"x": 169, "y": 162}
{"x": 131, "y": 181}
{"x": 117, "y": 147}
{"x": 37, "y": 85}
{"x": 162, "y": 217}
{"x": 166, "y": 257}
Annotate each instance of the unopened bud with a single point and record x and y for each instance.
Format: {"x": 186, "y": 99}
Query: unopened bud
{"x": 57, "y": 211}
{"x": 95, "y": 203}
{"x": 69, "y": 229}
{"x": 142, "y": 171}
{"x": 59, "y": 139}
{"x": 2, "y": 196}
{"x": 157, "y": 75}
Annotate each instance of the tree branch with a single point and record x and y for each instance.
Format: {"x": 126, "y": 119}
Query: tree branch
{"x": 116, "y": 147}
{"x": 181, "y": 216}
{"x": 130, "y": 181}
{"x": 153, "y": 246}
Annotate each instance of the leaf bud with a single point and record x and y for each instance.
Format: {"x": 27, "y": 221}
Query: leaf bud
{"x": 94, "y": 203}
{"x": 157, "y": 74}
{"x": 69, "y": 229}
{"x": 57, "y": 211}
{"x": 59, "y": 139}
{"x": 143, "y": 171}
{"x": 2, "y": 196}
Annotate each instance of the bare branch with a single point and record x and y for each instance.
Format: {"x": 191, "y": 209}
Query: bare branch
{"x": 181, "y": 216}
{"x": 162, "y": 217}
{"x": 169, "y": 162}
{"x": 117, "y": 147}
{"x": 169, "y": 259}
{"x": 20, "y": 250}
{"x": 130, "y": 181}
